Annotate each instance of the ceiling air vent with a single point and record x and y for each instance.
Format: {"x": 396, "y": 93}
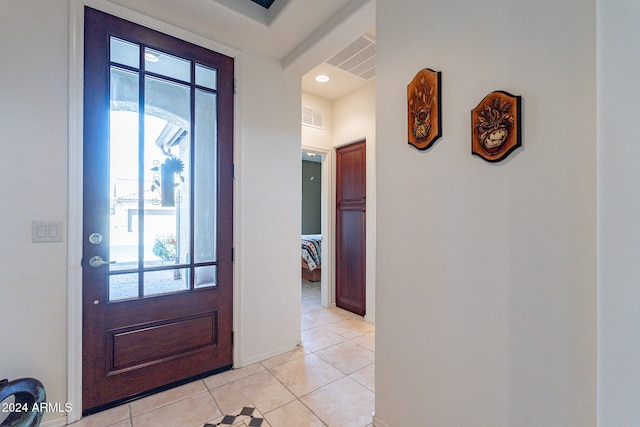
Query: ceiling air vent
{"x": 312, "y": 118}
{"x": 359, "y": 58}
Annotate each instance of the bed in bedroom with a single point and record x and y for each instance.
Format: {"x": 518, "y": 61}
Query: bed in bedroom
{"x": 311, "y": 260}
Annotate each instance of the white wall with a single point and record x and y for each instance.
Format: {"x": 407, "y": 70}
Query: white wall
{"x": 33, "y": 106}
{"x": 486, "y": 273}
{"x": 33, "y": 277}
{"x": 269, "y": 210}
{"x": 314, "y": 137}
{"x": 354, "y": 117}
{"x": 618, "y": 213}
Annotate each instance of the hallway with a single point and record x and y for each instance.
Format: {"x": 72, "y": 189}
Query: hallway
{"x": 327, "y": 382}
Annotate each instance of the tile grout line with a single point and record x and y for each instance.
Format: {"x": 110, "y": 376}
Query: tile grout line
{"x": 294, "y": 395}
{"x": 183, "y": 397}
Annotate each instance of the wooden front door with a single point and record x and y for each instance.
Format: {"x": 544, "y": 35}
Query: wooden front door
{"x": 351, "y": 228}
{"x": 158, "y": 197}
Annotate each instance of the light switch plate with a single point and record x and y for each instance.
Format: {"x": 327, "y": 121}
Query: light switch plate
{"x": 46, "y": 231}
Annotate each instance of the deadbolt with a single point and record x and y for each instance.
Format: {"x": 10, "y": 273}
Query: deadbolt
{"x": 95, "y": 238}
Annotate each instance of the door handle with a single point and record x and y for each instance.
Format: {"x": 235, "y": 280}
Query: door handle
{"x": 97, "y": 261}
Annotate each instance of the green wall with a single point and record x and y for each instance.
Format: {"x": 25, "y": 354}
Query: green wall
{"x": 311, "y": 189}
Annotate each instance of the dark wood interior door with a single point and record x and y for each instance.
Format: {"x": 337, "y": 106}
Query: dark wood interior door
{"x": 158, "y": 197}
{"x": 351, "y": 228}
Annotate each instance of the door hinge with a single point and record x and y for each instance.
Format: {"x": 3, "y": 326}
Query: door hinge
{"x": 233, "y": 254}
{"x": 233, "y": 171}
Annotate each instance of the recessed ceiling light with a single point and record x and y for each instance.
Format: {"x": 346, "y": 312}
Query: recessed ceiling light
{"x": 322, "y": 78}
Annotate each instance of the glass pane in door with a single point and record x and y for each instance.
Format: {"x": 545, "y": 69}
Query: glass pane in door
{"x": 205, "y": 177}
{"x": 206, "y": 77}
{"x": 123, "y": 184}
{"x": 123, "y": 286}
{"x": 205, "y": 276}
{"x": 163, "y": 64}
{"x": 124, "y": 52}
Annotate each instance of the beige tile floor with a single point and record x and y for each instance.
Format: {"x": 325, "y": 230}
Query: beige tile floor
{"x": 329, "y": 381}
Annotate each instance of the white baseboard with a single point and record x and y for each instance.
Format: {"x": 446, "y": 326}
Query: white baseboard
{"x": 377, "y": 422}
{"x": 265, "y": 356}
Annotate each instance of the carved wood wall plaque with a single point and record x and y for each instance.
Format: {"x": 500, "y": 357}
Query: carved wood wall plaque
{"x": 496, "y": 126}
{"x": 424, "y": 109}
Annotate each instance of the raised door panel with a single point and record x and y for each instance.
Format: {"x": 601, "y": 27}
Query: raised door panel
{"x": 351, "y": 175}
{"x": 350, "y": 272}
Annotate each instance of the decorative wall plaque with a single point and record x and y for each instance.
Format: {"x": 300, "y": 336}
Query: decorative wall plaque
{"x": 496, "y": 126}
{"x": 423, "y": 109}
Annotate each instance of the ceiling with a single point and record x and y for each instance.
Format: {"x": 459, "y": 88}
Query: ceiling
{"x": 301, "y": 34}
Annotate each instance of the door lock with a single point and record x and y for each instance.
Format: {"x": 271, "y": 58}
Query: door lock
{"x": 95, "y": 238}
{"x": 97, "y": 261}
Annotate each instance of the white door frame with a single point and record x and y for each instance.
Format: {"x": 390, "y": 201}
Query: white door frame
{"x": 327, "y": 287}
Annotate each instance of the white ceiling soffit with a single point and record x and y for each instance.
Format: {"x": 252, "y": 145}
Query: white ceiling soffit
{"x": 354, "y": 19}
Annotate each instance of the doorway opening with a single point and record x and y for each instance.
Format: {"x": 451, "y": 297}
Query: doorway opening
{"x": 316, "y": 236}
